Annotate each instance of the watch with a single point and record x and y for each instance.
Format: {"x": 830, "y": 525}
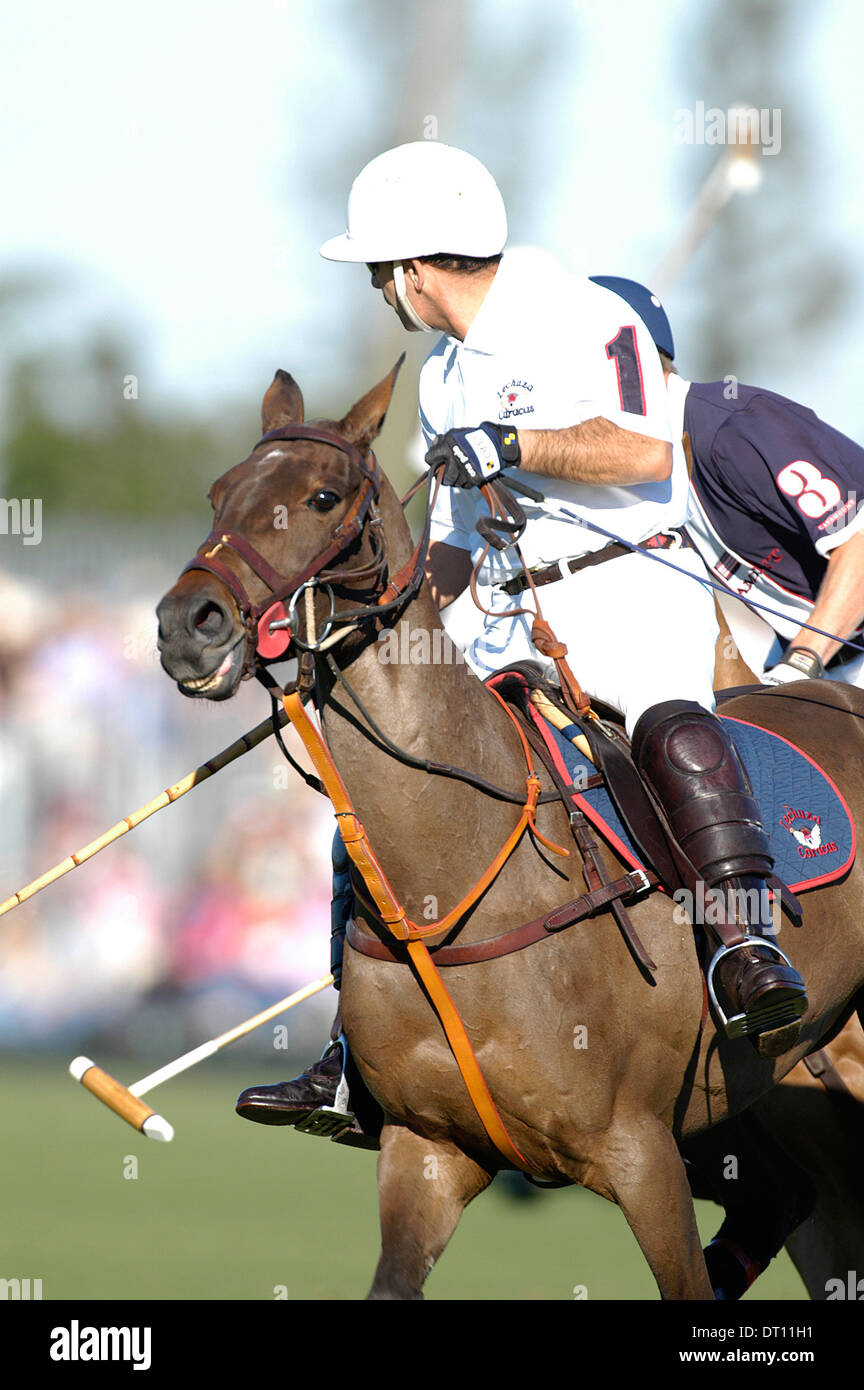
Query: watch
{"x": 807, "y": 662}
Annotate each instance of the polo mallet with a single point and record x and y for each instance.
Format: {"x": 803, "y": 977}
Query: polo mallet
{"x": 193, "y": 779}
{"x": 125, "y": 1100}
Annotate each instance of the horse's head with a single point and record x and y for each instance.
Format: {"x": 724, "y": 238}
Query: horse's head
{"x": 301, "y": 507}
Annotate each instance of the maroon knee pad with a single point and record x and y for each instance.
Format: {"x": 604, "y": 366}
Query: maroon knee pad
{"x": 693, "y": 768}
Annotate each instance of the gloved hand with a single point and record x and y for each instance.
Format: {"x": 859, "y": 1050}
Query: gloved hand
{"x": 796, "y": 664}
{"x": 474, "y": 456}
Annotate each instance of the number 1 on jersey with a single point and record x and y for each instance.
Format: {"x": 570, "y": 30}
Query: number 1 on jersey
{"x": 623, "y": 351}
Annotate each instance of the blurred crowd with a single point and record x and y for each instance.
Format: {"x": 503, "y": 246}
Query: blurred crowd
{"x": 212, "y": 909}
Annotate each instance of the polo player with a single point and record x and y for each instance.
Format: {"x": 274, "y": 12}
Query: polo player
{"x": 554, "y": 380}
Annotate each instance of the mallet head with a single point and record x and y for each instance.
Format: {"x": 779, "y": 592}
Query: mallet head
{"x": 121, "y": 1100}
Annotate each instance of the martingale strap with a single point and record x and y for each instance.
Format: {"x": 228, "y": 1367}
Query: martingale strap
{"x": 539, "y": 929}
{"x": 409, "y": 933}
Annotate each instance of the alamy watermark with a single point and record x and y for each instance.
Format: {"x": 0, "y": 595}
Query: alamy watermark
{"x": 77, "y": 1343}
{"x": 713, "y": 906}
{"x": 739, "y": 125}
{"x": 20, "y": 1289}
{"x": 851, "y": 1288}
{"x": 417, "y": 646}
{"x": 21, "y": 516}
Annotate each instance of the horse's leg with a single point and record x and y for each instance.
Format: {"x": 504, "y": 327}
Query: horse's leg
{"x": 824, "y": 1129}
{"x": 830, "y": 1242}
{"x": 646, "y": 1177}
{"x": 423, "y": 1188}
{"x": 764, "y": 1191}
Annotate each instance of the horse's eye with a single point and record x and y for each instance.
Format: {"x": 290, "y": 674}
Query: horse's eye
{"x": 324, "y": 501}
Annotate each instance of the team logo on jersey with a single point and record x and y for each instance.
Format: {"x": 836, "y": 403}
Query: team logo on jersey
{"x": 807, "y": 830}
{"x": 513, "y": 400}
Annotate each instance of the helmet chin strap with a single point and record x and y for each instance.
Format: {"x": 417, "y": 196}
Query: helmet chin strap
{"x": 402, "y": 299}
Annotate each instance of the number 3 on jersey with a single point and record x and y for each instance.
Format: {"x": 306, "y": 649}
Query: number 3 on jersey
{"x": 813, "y": 493}
{"x": 622, "y": 350}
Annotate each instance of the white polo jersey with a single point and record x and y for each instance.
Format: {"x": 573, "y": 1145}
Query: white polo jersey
{"x": 547, "y": 350}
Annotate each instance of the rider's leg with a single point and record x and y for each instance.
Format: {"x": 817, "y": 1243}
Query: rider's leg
{"x": 688, "y": 759}
{"x": 328, "y": 1082}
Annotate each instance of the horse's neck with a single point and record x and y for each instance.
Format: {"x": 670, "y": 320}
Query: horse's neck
{"x": 411, "y": 679}
{"x": 414, "y": 685}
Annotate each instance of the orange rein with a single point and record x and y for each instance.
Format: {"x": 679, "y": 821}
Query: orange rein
{"x": 403, "y": 929}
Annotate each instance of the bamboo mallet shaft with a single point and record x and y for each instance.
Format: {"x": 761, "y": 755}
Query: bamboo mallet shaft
{"x": 125, "y": 1100}
{"x": 193, "y": 779}
{"x": 561, "y": 721}
{"x": 190, "y": 1059}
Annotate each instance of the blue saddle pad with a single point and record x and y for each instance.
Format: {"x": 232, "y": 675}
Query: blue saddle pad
{"x": 811, "y": 831}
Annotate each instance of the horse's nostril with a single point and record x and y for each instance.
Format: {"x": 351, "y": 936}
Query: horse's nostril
{"x": 209, "y": 619}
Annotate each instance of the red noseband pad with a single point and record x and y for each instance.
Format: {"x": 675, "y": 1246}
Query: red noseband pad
{"x": 273, "y": 644}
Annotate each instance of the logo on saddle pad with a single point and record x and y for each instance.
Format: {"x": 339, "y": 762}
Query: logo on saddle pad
{"x": 807, "y": 830}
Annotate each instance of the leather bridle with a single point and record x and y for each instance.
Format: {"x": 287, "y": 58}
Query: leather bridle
{"x": 268, "y": 629}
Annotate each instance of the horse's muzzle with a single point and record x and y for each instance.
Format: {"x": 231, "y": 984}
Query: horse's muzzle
{"x": 202, "y": 643}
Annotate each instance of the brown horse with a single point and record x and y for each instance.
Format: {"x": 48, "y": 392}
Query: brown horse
{"x": 610, "y": 1114}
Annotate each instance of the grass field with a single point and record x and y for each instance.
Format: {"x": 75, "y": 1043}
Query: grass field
{"x": 235, "y": 1211}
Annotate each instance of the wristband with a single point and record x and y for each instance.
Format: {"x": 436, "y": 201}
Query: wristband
{"x": 803, "y": 660}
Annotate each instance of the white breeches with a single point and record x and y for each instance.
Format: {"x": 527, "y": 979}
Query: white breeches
{"x": 637, "y": 633}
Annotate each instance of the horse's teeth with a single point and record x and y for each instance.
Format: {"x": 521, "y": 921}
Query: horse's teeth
{"x": 204, "y": 682}
{"x": 207, "y": 682}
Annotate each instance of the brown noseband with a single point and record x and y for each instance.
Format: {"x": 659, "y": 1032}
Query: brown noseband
{"x": 262, "y": 645}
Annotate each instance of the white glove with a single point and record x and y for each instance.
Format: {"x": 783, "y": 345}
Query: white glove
{"x": 797, "y": 664}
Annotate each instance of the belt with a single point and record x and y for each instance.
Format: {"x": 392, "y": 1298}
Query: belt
{"x": 550, "y": 574}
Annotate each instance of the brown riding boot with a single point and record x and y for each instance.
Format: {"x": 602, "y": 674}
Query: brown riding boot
{"x": 688, "y": 760}
{"x": 316, "y": 1102}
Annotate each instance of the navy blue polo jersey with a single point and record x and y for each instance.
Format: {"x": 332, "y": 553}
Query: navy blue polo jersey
{"x": 779, "y": 486}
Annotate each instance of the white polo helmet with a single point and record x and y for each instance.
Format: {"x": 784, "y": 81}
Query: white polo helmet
{"x": 421, "y": 199}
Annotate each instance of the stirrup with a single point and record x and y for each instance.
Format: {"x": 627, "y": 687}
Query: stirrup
{"x": 758, "y": 1020}
{"x": 326, "y": 1121}
{"x": 332, "y": 1121}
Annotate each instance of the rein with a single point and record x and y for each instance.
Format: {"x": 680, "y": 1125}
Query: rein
{"x": 425, "y": 764}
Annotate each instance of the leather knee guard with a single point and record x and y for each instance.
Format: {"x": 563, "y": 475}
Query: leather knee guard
{"x": 691, "y": 764}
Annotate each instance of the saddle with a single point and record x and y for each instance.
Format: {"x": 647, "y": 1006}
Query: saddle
{"x": 519, "y": 685}
{"x": 589, "y": 763}
{"x": 810, "y": 830}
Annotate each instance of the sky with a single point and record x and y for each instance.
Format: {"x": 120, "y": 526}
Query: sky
{"x": 171, "y": 167}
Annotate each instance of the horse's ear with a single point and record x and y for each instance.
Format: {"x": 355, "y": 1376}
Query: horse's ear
{"x": 283, "y": 404}
{"x": 364, "y": 420}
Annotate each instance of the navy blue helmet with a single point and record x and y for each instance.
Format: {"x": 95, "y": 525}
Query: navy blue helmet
{"x": 647, "y": 306}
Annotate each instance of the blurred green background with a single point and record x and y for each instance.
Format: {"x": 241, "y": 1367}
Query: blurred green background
{"x": 232, "y": 1210}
